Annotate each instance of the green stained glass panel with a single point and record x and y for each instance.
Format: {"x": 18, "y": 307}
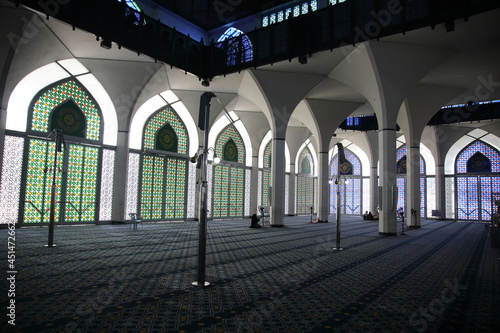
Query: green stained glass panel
{"x": 305, "y": 162}
{"x": 228, "y": 198}
{"x": 267, "y": 155}
{"x": 39, "y": 180}
{"x": 266, "y": 182}
{"x": 230, "y": 133}
{"x": 305, "y": 194}
{"x": 81, "y": 187}
{"x": 60, "y": 94}
{"x": 154, "y": 133}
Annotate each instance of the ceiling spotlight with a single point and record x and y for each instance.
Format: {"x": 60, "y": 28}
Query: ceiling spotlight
{"x": 205, "y": 83}
{"x": 303, "y": 60}
{"x": 106, "y": 44}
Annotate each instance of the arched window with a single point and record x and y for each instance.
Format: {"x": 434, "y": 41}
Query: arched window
{"x": 162, "y": 188}
{"x": 229, "y": 175}
{"x": 401, "y": 169}
{"x": 477, "y": 178}
{"x": 305, "y": 182}
{"x": 486, "y": 151}
{"x": 69, "y": 107}
{"x": 165, "y": 131}
{"x": 350, "y": 188}
{"x": 266, "y": 175}
{"x": 239, "y": 49}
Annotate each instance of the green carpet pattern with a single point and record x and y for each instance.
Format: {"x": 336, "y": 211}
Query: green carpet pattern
{"x": 443, "y": 277}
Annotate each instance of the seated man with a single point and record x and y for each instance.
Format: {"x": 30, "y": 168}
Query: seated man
{"x": 370, "y": 216}
{"x": 365, "y": 215}
{"x": 255, "y": 222}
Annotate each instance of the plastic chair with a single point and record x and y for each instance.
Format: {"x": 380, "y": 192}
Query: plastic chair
{"x": 134, "y": 220}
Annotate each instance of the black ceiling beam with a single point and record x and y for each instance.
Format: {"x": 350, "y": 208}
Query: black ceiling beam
{"x": 347, "y": 23}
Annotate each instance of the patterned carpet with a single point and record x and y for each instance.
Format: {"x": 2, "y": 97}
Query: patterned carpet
{"x": 108, "y": 278}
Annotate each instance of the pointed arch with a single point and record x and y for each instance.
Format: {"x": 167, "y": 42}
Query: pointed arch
{"x": 229, "y": 145}
{"x": 306, "y": 164}
{"x": 485, "y": 155}
{"x": 30, "y": 86}
{"x": 238, "y": 49}
{"x": 351, "y": 188}
{"x": 477, "y": 177}
{"x": 165, "y": 131}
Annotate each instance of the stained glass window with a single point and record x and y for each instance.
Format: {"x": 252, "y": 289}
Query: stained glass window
{"x": 305, "y": 194}
{"x": 305, "y": 183}
{"x": 266, "y": 183}
{"x": 401, "y": 161}
{"x": 470, "y": 151}
{"x": 268, "y": 155}
{"x": 10, "y": 186}
{"x": 163, "y": 185}
{"x": 259, "y": 189}
{"x": 296, "y": 11}
{"x": 306, "y": 162}
{"x": 133, "y": 5}
{"x": 351, "y": 184}
{"x": 229, "y": 180}
{"x": 474, "y": 192}
{"x": 401, "y": 184}
{"x": 353, "y": 161}
{"x": 305, "y": 8}
{"x": 281, "y": 16}
{"x": 231, "y": 133}
{"x": 239, "y": 49}
{"x": 39, "y": 180}
{"x": 228, "y": 198}
{"x": 81, "y": 183}
{"x": 467, "y": 198}
{"x": 265, "y": 21}
{"x": 163, "y": 188}
{"x": 59, "y": 95}
{"x": 66, "y": 106}
{"x": 166, "y": 131}
{"x": 285, "y": 14}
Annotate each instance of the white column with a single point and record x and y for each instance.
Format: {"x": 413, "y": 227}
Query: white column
{"x": 323, "y": 187}
{"x": 373, "y": 191}
{"x": 278, "y": 182}
{"x": 413, "y": 186}
{"x": 291, "y": 191}
{"x": 254, "y": 186}
{"x": 120, "y": 179}
{"x": 440, "y": 190}
{"x": 387, "y": 181}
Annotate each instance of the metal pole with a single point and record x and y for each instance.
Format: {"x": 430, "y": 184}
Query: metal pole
{"x": 202, "y": 238}
{"x": 337, "y": 241}
{"x": 50, "y": 242}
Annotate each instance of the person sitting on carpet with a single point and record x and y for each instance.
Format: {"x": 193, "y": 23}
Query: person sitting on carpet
{"x": 255, "y": 222}
{"x": 370, "y": 216}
